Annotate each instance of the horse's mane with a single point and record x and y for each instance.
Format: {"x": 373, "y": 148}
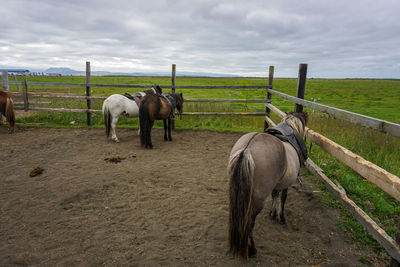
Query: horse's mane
{"x": 4, "y": 94}
{"x": 177, "y": 96}
{"x": 297, "y": 120}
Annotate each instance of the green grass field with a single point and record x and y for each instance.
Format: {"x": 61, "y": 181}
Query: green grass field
{"x": 375, "y": 98}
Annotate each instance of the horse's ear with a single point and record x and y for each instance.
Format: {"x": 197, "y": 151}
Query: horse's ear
{"x": 181, "y": 94}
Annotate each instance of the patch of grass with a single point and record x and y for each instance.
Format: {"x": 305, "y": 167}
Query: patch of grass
{"x": 371, "y": 97}
{"x": 365, "y": 260}
{"x": 381, "y": 149}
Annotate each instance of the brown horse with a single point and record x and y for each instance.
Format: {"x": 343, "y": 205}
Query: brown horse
{"x": 7, "y": 109}
{"x": 261, "y": 164}
{"x": 156, "y": 107}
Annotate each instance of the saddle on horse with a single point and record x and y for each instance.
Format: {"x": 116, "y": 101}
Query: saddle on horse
{"x": 171, "y": 101}
{"x": 285, "y": 133}
{"x": 137, "y": 97}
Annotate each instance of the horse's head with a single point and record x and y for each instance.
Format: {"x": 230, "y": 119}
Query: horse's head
{"x": 179, "y": 103}
{"x": 297, "y": 120}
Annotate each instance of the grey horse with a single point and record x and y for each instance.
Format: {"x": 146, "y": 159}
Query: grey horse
{"x": 261, "y": 164}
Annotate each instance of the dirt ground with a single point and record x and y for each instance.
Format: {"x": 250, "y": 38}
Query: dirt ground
{"x": 101, "y": 203}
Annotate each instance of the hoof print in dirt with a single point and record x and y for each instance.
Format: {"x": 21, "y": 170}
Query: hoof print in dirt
{"x": 114, "y": 159}
{"x": 36, "y": 171}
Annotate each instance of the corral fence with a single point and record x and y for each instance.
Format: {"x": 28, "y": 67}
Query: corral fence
{"x": 25, "y": 96}
{"x": 381, "y": 178}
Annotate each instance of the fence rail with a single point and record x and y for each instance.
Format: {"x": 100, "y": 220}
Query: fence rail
{"x": 366, "y": 121}
{"x": 84, "y": 97}
{"x": 145, "y": 85}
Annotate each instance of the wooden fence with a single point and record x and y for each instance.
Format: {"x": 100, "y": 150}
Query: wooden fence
{"x": 26, "y": 96}
{"x": 373, "y": 173}
{"x": 376, "y": 175}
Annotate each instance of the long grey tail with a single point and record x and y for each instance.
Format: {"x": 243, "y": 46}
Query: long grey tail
{"x": 241, "y": 172}
{"x": 107, "y": 118}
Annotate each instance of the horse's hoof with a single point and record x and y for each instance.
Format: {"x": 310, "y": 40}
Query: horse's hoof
{"x": 170, "y": 139}
{"x": 272, "y": 214}
{"x": 252, "y": 252}
{"x": 282, "y": 220}
{"x": 116, "y": 140}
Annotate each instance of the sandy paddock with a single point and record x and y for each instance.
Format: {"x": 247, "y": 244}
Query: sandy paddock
{"x": 166, "y": 206}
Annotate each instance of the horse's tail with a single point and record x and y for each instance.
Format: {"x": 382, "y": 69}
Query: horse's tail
{"x": 10, "y": 114}
{"x": 107, "y": 117}
{"x": 241, "y": 172}
{"x": 145, "y": 123}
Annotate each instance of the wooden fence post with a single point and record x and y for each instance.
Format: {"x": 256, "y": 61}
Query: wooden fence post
{"x": 25, "y": 95}
{"x": 269, "y": 95}
{"x": 15, "y": 78}
{"x": 173, "y": 80}
{"x": 5, "y": 80}
{"x": 88, "y": 93}
{"x": 301, "y": 86}
{"x": 394, "y": 262}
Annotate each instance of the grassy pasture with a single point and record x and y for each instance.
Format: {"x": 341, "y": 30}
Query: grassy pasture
{"x": 375, "y": 98}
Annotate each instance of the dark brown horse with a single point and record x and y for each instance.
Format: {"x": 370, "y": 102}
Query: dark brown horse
{"x": 261, "y": 164}
{"x": 7, "y": 109}
{"x": 155, "y": 107}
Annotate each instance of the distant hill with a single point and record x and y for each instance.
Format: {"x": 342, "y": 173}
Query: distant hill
{"x": 64, "y": 71}
{"x": 68, "y": 71}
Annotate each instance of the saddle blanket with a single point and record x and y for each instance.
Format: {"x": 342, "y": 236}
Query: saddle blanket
{"x": 137, "y": 97}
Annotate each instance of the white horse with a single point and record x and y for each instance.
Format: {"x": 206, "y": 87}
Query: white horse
{"x": 116, "y": 104}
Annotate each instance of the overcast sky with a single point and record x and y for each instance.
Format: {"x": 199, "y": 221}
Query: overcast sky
{"x": 340, "y": 38}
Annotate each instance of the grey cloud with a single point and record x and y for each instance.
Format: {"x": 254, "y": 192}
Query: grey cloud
{"x": 338, "y": 39}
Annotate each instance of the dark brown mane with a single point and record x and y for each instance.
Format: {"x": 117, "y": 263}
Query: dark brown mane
{"x": 179, "y": 101}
